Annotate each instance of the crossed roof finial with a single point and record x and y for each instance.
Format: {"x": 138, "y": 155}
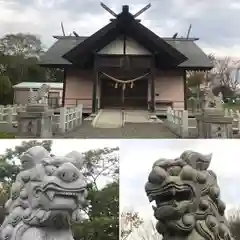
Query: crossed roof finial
{"x": 125, "y": 8}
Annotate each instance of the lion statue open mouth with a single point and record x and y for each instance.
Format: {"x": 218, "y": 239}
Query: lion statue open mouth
{"x": 48, "y": 193}
{"x": 187, "y": 199}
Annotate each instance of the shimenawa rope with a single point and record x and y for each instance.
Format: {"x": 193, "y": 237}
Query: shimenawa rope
{"x": 124, "y": 82}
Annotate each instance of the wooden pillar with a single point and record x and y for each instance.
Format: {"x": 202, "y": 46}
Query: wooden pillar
{"x": 152, "y": 83}
{"x": 185, "y": 89}
{"x": 94, "y": 92}
{"x": 64, "y": 86}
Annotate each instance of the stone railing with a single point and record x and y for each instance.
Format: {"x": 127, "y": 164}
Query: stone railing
{"x": 236, "y": 118}
{"x": 177, "y": 121}
{"x": 8, "y": 113}
{"x": 69, "y": 118}
{"x": 66, "y": 120}
{"x": 184, "y": 124}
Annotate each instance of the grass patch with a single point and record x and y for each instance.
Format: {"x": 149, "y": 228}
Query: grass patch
{"x": 6, "y": 135}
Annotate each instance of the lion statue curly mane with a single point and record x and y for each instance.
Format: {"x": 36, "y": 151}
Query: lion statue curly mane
{"x": 48, "y": 193}
{"x": 187, "y": 199}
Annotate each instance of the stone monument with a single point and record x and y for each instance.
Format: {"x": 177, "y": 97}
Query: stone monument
{"x": 47, "y": 194}
{"x": 187, "y": 198}
{"x": 211, "y": 120}
{"x": 36, "y": 121}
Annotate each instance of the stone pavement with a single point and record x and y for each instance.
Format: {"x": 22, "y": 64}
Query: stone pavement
{"x": 130, "y": 130}
{"x": 113, "y": 118}
{"x": 139, "y": 116}
{"x": 108, "y": 119}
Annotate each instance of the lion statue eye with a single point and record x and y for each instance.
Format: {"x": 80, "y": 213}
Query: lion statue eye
{"x": 50, "y": 169}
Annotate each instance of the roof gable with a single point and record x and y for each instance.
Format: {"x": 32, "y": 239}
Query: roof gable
{"x": 124, "y": 45}
{"x": 197, "y": 59}
{"x": 124, "y": 24}
{"x": 181, "y": 52}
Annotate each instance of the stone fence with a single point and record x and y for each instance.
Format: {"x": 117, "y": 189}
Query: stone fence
{"x": 184, "y": 124}
{"x": 8, "y": 113}
{"x": 69, "y": 118}
{"x": 178, "y": 122}
{"x": 64, "y": 120}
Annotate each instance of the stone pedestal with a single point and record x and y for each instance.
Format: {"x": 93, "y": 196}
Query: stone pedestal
{"x": 35, "y": 122}
{"x": 211, "y": 123}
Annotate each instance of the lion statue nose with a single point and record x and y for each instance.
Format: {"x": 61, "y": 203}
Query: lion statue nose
{"x": 68, "y": 173}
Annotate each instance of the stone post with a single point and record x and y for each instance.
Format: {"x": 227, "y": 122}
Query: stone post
{"x": 184, "y": 124}
{"x": 62, "y": 119}
{"x": 9, "y": 115}
{"x": 1, "y": 113}
{"x": 79, "y": 113}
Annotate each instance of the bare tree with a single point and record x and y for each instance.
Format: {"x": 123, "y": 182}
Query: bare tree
{"x": 223, "y": 73}
{"x": 234, "y": 223}
{"x": 101, "y": 163}
{"x": 130, "y": 221}
{"x": 147, "y": 231}
{"x": 196, "y": 78}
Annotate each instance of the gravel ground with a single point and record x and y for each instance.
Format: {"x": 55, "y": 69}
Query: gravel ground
{"x": 7, "y": 128}
{"x": 130, "y": 130}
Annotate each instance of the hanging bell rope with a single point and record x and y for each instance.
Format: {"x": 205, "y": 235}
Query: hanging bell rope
{"x": 131, "y": 81}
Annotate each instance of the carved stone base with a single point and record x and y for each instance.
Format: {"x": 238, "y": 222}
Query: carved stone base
{"x": 213, "y": 124}
{"x": 36, "y": 107}
{"x": 36, "y": 121}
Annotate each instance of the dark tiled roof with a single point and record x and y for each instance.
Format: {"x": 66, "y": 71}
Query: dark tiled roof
{"x": 196, "y": 57}
{"x": 126, "y": 24}
{"x": 63, "y": 44}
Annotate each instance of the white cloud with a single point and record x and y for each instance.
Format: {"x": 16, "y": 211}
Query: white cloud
{"x": 62, "y": 146}
{"x": 42, "y": 17}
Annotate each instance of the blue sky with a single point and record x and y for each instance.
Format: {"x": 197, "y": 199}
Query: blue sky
{"x": 214, "y": 22}
{"x": 137, "y": 157}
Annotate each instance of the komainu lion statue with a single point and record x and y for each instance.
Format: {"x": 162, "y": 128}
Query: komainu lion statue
{"x": 48, "y": 193}
{"x": 40, "y": 95}
{"x": 187, "y": 197}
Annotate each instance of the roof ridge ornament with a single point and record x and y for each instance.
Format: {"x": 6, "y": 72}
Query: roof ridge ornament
{"x": 125, "y": 8}
{"x": 63, "y": 31}
{"x": 108, "y": 9}
{"x": 189, "y": 30}
{"x": 142, "y": 10}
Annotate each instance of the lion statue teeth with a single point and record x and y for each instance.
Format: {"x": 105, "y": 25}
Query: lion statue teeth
{"x": 187, "y": 199}
{"x": 48, "y": 193}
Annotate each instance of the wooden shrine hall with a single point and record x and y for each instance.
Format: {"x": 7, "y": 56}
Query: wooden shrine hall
{"x": 125, "y": 65}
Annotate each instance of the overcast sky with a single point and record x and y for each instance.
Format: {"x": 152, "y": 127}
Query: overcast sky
{"x": 62, "y": 147}
{"x": 215, "y": 22}
{"x": 137, "y": 157}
